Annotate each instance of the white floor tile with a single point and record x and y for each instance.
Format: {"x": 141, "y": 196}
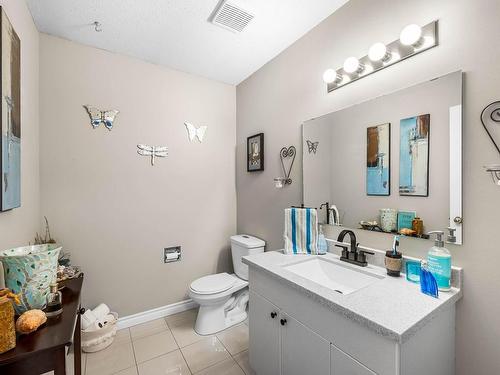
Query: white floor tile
{"x": 148, "y": 329}
{"x": 204, "y": 353}
{"x": 172, "y": 363}
{"x": 188, "y": 315}
{"x": 242, "y": 359}
{"x": 122, "y": 336}
{"x": 235, "y": 339}
{"x": 226, "y": 367}
{"x": 129, "y": 371}
{"x": 184, "y": 332}
{"x": 153, "y": 346}
{"x": 114, "y": 358}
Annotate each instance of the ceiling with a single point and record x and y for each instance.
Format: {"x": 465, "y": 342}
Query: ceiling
{"x": 176, "y": 33}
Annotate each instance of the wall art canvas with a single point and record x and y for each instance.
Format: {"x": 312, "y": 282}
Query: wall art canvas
{"x": 255, "y": 153}
{"x": 10, "y": 149}
{"x": 414, "y": 156}
{"x": 378, "y": 149}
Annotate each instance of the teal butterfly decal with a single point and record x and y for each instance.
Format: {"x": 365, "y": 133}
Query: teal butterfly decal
{"x": 98, "y": 117}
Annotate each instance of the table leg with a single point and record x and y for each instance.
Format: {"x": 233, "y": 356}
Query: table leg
{"x": 60, "y": 361}
{"x": 77, "y": 346}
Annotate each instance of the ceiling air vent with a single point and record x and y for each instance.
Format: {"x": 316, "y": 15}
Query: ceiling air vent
{"x": 230, "y": 17}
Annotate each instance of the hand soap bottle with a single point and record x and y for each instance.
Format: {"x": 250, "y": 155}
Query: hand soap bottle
{"x": 322, "y": 245}
{"x": 439, "y": 262}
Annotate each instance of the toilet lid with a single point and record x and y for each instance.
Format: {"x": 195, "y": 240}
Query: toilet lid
{"x": 212, "y": 284}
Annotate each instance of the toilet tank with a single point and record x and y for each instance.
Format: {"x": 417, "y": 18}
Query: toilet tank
{"x": 242, "y": 245}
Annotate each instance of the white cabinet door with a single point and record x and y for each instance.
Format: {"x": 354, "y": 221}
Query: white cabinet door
{"x": 343, "y": 364}
{"x": 303, "y": 352}
{"x": 264, "y": 331}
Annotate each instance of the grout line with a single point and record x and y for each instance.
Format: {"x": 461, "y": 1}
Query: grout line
{"x": 179, "y": 349}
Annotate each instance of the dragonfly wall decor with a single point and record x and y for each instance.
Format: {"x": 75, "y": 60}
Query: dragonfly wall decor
{"x": 152, "y": 151}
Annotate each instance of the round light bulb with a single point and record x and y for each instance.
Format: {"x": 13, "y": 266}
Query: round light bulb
{"x": 351, "y": 65}
{"x": 378, "y": 52}
{"x": 329, "y": 76}
{"x": 411, "y": 35}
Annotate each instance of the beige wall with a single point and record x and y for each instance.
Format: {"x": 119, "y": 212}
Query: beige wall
{"x": 18, "y": 226}
{"x": 289, "y": 90}
{"x": 107, "y": 205}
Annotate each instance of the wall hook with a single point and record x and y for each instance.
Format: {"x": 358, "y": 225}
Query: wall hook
{"x": 97, "y": 26}
{"x": 491, "y": 116}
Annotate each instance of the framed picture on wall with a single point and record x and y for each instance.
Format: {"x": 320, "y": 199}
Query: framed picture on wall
{"x": 255, "y": 153}
{"x": 10, "y": 125}
{"x": 378, "y": 160}
{"x": 414, "y": 156}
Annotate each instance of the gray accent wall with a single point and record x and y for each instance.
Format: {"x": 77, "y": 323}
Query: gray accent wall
{"x": 288, "y": 90}
{"x": 106, "y": 204}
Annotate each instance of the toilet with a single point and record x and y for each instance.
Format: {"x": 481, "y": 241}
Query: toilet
{"x": 223, "y": 297}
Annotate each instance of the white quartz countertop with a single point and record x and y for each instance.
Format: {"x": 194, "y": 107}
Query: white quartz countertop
{"x": 392, "y": 306}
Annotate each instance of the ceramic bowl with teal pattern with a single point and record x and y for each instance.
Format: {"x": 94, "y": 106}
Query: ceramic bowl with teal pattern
{"x": 29, "y": 270}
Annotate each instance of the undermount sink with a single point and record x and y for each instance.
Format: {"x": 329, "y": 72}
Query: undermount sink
{"x": 338, "y": 277}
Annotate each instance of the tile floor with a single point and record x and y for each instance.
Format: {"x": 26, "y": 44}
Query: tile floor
{"x": 171, "y": 346}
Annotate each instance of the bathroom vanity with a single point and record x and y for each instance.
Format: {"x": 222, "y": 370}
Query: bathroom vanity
{"x": 316, "y": 315}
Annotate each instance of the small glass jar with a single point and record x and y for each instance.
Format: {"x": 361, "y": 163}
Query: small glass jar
{"x": 54, "y": 302}
{"x": 388, "y": 219}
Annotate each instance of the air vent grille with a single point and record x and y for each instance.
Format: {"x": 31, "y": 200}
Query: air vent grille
{"x": 231, "y": 17}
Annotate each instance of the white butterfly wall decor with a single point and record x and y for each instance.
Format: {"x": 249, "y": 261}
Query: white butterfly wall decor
{"x": 98, "y": 117}
{"x": 194, "y": 132}
{"x": 152, "y": 151}
{"x": 312, "y": 146}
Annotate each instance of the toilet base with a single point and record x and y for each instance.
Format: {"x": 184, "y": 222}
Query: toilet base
{"x": 213, "y": 318}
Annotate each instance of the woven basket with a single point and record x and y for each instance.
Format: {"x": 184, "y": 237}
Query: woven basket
{"x": 94, "y": 340}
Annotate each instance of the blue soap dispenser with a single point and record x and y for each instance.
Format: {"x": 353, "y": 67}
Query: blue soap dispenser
{"x": 439, "y": 262}
{"x": 322, "y": 245}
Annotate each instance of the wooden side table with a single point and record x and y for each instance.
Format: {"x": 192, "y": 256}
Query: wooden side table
{"x": 45, "y": 349}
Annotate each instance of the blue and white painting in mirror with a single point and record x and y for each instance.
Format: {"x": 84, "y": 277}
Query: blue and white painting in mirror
{"x": 10, "y": 192}
{"x": 414, "y": 156}
{"x": 378, "y": 150}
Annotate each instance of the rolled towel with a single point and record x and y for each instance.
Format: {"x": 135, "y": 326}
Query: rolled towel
{"x": 101, "y": 311}
{"x": 88, "y": 318}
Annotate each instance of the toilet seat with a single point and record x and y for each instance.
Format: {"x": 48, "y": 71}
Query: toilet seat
{"x": 213, "y": 284}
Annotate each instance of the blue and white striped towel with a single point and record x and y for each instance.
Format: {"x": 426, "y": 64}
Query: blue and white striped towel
{"x": 301, "y": 231}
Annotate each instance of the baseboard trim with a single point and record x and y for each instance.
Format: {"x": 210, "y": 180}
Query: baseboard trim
{"x": 157, "y": 313}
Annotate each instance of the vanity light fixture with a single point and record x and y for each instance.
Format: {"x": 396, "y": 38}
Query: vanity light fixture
{"x": 330, "y": 76}
{"x": 352, "y": 65}
{"x": 413, "y": 40}
{"x": 378, "y": 52}
{"x": 411, "y": 36}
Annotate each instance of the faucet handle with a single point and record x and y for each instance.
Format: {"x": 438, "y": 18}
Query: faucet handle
{"x": 345, "y": 250}
{"x": 362, "y": 255}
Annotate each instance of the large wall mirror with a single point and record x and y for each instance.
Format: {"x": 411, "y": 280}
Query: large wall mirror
{"x": 392, "y": 164}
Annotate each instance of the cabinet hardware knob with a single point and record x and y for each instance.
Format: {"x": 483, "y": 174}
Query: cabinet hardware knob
{"x": 458, "y": 220}
{"x": 283, "y": 322}
{"x": 273, "y": 315}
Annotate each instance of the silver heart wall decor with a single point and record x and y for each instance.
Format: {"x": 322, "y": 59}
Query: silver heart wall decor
{"x": 289, "y": 154}
{"x": 490, "y": 118}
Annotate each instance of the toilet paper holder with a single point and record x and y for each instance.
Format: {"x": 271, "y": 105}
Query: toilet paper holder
{"x": 171, "y": 254}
